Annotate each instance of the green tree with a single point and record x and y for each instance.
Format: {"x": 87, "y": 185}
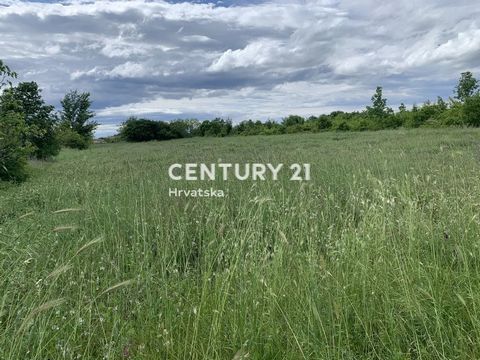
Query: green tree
{"x": 293, "y": 120}
{"x": 379, "y": 115}
{"x": 467, "y": 86}
{"x": 13, "y": 148}
{"x": 185, "y": 127}
{"x": 217, "y": 127}
{"x": 379, "y": 105}
{"x": 39, "y": 119}
{"x": 442, "y": 105}
{"x": 6, "y": 75}
{"x": 471, "y": 110}
{"x": 137, "y": 130}
{"x": 76, "y": 117}
{"x": 13, "y": 151}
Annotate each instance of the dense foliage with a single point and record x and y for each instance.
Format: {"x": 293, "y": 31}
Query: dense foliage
{"x": 76, "y": 127}
{"x": 29, "y": 128}
{"x": 145, "y": 130}
{"x": 39, "y": 118}
{"x": 13, "y": 150}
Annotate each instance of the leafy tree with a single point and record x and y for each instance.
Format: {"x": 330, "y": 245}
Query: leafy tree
{"x": 324, "y": 122}
{"x": 76, "y": 115}
{"x": 164, "y": 131}
{"x": 441, "y": 104}
{"x": 471, "y": 110}
{"x": 71, "y": 139}
{"x": 453, "y": 115}
{"x": 467, "y": 86}
{"x": 342, "y": 126}
{"x": 13, "y": 150}
{"x": 292, "y": 120}
{"x": 185, "y": 127}
{"x": 379, "y": 107}
{"x": 6, "y": 74}
{"x": 216, "y": 127}
{"x": 39, "y": 118}
{"x": 137, "y": 130}
{"x": 271, "y": 127}
{"x": 380, "y": 116}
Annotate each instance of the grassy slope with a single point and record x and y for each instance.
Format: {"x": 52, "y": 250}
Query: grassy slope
{"x": 377, "y": 257}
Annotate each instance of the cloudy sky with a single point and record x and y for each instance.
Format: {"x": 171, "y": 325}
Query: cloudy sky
{"x": 239, "y": 59}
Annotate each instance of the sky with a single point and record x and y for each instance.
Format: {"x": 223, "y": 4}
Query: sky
{"x": 239, "y": 59}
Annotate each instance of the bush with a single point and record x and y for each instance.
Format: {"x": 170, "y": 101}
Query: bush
{"x": 39, "y": 118}
{"x": 185, "y": 127}
{"x": 216, "y": 127}
{"x": 453, "y": 116}
{"x": 13, "y": 152}
{"x": 292, "y": 120}
{"x": 292, "y": 129}
{"x": 46, "y": 142}
{"x": 471, "y": 110}
{"x": 341, "y": 126}
{"x": 72, "y": 139}
{"x": 164, "y": 131}
{"x": 324, "y": 122}
{"x": 138, "y": 130}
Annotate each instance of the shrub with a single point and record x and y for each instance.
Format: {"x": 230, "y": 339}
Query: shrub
{"x": 185, "y": 127}
{"x": 164, "y": 131}
{"x": 72, "y": 139}
{"x": 453, "y": 116}
{"x": 471, "y": 110}
{"x": 341, "y": 126}
{"x": 76, "y": 115}
{"x": 137, "y": 130}
{"x": 216, "y": 127}
{"x": 324, "y": 122}
{"x": 292, "y": 129}
{"x": 13, "y": 151}
{"x": 293, "y": 120}
{"x": 39, "y": 118}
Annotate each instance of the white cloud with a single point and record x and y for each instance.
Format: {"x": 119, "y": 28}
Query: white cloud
{"x": 129, "y": 69}
{"x": 196, "y": 38}
{"x": 258, "y": 53}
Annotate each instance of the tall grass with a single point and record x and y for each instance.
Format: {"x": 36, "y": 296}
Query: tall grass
{"x": 377, "y": 257}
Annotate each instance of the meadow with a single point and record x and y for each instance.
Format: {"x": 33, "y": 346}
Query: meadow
{"x": 377, "y": 257}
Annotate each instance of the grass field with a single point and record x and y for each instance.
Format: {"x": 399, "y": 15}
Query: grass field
{"x": 378, "y": 257}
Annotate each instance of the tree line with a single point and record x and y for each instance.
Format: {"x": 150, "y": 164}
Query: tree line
{"x": 463, "y": 109}
{"x": 30, "y": 128}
